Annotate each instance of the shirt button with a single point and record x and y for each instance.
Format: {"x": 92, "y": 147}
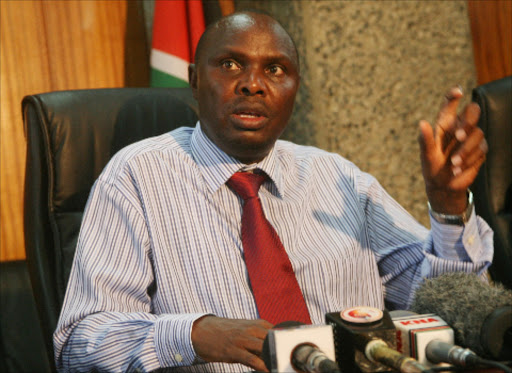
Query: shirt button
{"x": 470, "y": 240}
{"x": 178, "y": 358}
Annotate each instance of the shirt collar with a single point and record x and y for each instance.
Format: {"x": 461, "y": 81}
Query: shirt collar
{"x": 217, "y": 167}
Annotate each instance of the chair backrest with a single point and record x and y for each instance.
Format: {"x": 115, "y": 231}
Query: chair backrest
{"x": 493, "y": 186}
{"x": 71, "y": 135}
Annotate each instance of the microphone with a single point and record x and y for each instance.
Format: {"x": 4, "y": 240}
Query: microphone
{"x": 378, "y": 351}
{"x": 365, "y": 341}
{"x": 293, "y": 346}
{"x": 415, "y": 334}
{"x": 479, "y": 313}
{"x": 430, "y": 340}
{"x": 438, "y": 351}
{"x": 308, "y": 358}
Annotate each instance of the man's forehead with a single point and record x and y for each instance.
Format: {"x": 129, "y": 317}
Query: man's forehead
{"x": 260, "y": 26}
{"x": 247, "y": 25}
{"x": 239, "y": 21}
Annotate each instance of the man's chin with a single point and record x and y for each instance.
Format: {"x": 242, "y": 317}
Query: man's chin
{"x": 249, "y": 151}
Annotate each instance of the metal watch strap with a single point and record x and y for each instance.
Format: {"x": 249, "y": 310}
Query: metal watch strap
{"x": 454, "y": 219}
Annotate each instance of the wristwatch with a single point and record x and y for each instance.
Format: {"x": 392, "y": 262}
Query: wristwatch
{"x": 454, "y": 219}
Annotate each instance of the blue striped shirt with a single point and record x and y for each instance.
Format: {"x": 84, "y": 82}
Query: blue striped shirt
{"x": 160, "y": 246}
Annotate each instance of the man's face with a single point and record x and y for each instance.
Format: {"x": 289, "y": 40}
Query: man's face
{"x": 245, "y": 83}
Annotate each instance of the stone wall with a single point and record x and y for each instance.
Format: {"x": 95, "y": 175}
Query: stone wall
{"x": 370, "y": 71}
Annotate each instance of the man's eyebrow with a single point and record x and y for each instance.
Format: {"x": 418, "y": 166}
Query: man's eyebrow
{"x": 241, "y": 55}
{"x": 226, "y": 52}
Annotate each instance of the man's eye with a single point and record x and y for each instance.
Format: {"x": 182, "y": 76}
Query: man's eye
{"x": 230, "y": 65}
{"x": 276, "y": 70}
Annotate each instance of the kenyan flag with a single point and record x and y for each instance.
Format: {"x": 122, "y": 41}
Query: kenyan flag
{"x": 177, "y": 27}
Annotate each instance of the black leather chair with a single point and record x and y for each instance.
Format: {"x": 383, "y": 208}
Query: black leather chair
{"x": 493, "y": 187}
{"x": 71, "y": 135}
{"x": 21, "y": 343}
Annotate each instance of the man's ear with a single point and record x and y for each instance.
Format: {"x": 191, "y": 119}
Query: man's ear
{"x": 192, "y": 78}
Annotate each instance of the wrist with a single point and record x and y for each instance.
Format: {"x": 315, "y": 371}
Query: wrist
{"x": 446, "y": 201}
{"x": 454, "y": 219}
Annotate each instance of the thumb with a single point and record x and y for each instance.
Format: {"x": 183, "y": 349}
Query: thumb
{"x": 426, "y": 140}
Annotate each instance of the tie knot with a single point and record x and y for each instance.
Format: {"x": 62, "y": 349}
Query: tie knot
{"x": 246, "y": 184}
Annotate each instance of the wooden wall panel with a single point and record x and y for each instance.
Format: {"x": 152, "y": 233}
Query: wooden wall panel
{"x": 491, "y": 28}
{"x": 45, "y": 46}
{"x": 24, "y": 69}
{"x": 89, "y": 54}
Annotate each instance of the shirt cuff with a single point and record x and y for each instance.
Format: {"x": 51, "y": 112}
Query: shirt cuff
{"x": 457, "y": 242}
{"x": 173, "y": 342}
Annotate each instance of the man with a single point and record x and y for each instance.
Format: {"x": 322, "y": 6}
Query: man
{"x": 160, "y": 277}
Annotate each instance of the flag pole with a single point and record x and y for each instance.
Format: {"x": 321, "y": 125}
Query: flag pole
{"x": 226, "y": 7}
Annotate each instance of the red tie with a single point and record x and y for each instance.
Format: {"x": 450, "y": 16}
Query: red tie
{"x": 274, "y": 285}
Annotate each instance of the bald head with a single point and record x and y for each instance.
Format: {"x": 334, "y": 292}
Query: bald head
{"x": 245, "y": 80}
{"x": 248, "y": 20}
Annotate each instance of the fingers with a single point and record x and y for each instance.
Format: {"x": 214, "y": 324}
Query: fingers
{"x": 471, "y": 146}
{"x": 452, "y": 157}
{"x": 230, "y": 341}
{"x": 447, "y": 118}
{"x": 244, "y": 345}
{"x": 251, "y": 360}
{"x": 457, "y": 137}
{"x": 254, "y": 337}
{"x": 467, "y": 121}
{"x": 471, "y": 153}
{"x": 428, "y": 149}
{"x": 465, "y": 178}
{"x": 467, "y": 159}
{"x": 426, "y": 139}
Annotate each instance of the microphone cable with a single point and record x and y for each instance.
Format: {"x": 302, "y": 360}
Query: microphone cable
{"x": 481, "y": 363}
{"x": 494, "y": 364}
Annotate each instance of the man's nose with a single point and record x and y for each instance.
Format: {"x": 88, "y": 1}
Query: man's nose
{"x": 252, "y": 83}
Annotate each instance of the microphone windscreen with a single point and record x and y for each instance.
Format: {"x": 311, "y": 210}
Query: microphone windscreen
{"x": 466, "y": 302}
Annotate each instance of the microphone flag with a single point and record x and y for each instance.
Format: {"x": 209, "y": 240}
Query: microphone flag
{"x": 414, "y": 332}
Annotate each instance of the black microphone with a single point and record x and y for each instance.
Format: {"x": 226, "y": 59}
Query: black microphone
{"x": 479, "y": 313}
{"x": 365, "y": 341}
{"x": 303, "y": 348}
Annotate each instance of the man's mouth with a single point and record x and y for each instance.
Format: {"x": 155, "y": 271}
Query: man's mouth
{"x": 245, "y": 114}
{"x": 249, "y": 119}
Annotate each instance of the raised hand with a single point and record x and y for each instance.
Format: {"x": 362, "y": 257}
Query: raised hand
{"x": 451, "y": 154}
